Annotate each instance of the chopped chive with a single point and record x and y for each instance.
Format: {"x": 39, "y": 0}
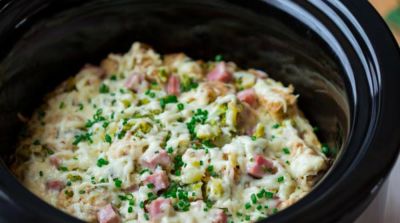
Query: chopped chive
{"x": 218, "y": 58}
{"x": 325, "y": 149}
{"x": 180, "y": 106}
{"x": 117, "y": 183}
{"x": 144, "y": 171}
{"x": 167, "y": 100}
{"x": 102, "y": 162}
{"x": 275, "y": 126}
{"x": 122, "y": 197}
{"x": 280, "y": 179}
{"x": 104, "y": 89}
{"x": 286, "y": 150}
{"x": 113, "y": 103}
{"x": 253, "y": 198}
{"x": 80, "y": 106}
{"x": 247, "y": 206}
{"x": 170, "y": 150}
{"x": 261, "y": 193}
{"x": 62, "y": 105}
{"x": 269, "y": 194}
{"x": 62, "y": 168}
{"x": 107, "y": 138}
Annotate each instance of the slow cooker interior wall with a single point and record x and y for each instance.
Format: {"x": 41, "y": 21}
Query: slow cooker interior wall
{"x": 57, "y": 47}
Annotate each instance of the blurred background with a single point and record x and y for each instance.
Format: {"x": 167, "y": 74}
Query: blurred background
{"x": 390, "y": 10}
{"x": 386, "y": 206}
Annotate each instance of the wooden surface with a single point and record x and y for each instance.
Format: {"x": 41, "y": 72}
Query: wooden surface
{"x": 384, "y": 7}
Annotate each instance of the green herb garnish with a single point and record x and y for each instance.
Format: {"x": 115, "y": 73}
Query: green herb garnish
{"x": 180, "y": 106}
{"x": 104, "y": 89}
{"x": 325, "y": 149}
{"x": 286, "y": 150}
{"x": 102, "y": 162}
{"x": 117, "y": 183}
{"x": 218, "y": 58}
{"x": 168, "y": 100}
{"x": 108, "y": 138}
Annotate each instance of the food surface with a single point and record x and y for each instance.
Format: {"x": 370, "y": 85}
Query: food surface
{"x": 151, "y": 138}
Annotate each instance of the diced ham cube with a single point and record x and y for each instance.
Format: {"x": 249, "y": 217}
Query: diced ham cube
{"x": 55, "y": 161}
{"x": 248, "y": 96}
{"x": 173, "y": 86}
{"x": 136, "y": 82}
{"x": 159, "y": 180}
{"x": 220, "y": 73}
{"x": 260, "y": 167}
{"x": 162, "y": 158}
{"x": 220, "y": 217}
{"x": 55, "y": 185}
{"x": 159, "y": 207}
{"x": 107, "y": 214}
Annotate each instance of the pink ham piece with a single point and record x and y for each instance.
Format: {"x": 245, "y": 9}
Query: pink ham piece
{"x": 173, "y": 86}
{"x": 162, "y": 158}
{"x": 159, "y": 180}
{"x": 248, "y": 96}
{"x": 136, "y": 82}
{"x": 260, "y": 167}
{"x": 55, "y": 161}
{"x": 107, "y": 214}
{"x": 159, "y": 207}
{"x": 220, "y": 73}
{"x": 55, "y": 185}
{"x": 220, "y": 217}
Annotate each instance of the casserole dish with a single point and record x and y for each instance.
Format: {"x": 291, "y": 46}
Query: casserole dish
{"x": 340, "y": 56}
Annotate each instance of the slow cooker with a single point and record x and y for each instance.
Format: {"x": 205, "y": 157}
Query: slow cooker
{"x": 339, "y": 55}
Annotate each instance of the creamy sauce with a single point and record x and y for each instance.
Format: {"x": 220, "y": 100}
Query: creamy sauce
{"x": 96, "y": 137}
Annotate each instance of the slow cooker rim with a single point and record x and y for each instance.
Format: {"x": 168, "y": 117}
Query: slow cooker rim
{"x": 351, "y": 13}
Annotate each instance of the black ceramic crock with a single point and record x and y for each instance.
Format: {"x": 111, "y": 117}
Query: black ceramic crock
{"x": 339, "y": 55}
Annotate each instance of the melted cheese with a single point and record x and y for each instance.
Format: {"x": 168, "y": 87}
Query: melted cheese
{"x": 99, "y": 131}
